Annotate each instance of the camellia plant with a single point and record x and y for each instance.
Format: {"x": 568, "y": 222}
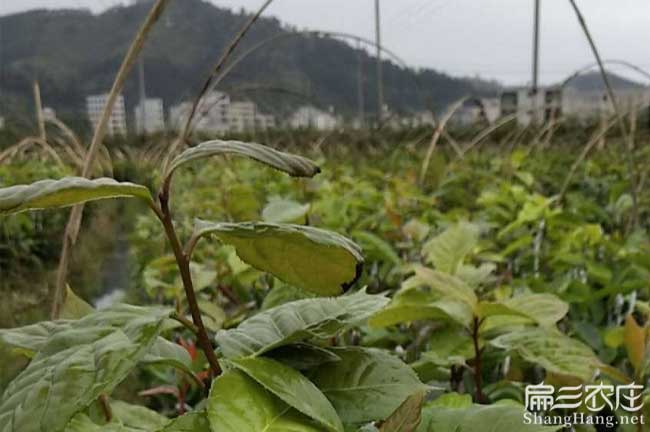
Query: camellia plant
{"x": 276, "y": 371}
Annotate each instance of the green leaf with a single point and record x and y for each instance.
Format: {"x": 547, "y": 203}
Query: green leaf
{"x": 552, "y": 350}
{"x": 297, "y": 321}
{"x": 293, "y": 388}
{"x": 413, "y": 305}
{"x": 303, "y": 356}
{"x": 164, "y": 352}
{"x": 490, "y": 309}
{"x": 450, "y": 346}
{"x": 309, "y": 258}
{"x": 69, "y": 191}
{"x": 283, "y": 293}
{"x": 452, "y": 400}
{"x": 76, "y": 364}
{"x": 542, "y": 309}
{"x": 280, "y": 210}
{"x": 483, "y": 418}
{"x": 190, "y": 422}
{"x": 445, "y": 284}
{"x": 295, "y": 166}
{"x": 448, "y": 250}
{"x": 126, "y": 418}
{"x": 545, "y": 309}
{"x": 74, "y": 307}
{"x": 83, "y": 423}
{"x": 367, "y": 384}
{"x": 213, "y": 315}
{"x": 377, "y": 247}
{"x": 407, "y": 417}
{"x": 30, "y": 339}
{"x": 137, "y": 417}
{"x": 238, "y": 404}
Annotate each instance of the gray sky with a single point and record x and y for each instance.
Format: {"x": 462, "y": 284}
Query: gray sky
{"x": 490, "y": 38}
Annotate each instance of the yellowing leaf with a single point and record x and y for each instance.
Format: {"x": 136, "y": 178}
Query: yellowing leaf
{"x": 407, "y": 417}
{"x": 635, "y": 340}
{"x": 313, "y": 259}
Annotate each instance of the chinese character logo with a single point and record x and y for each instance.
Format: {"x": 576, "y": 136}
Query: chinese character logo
{"x": 594, "y": 397}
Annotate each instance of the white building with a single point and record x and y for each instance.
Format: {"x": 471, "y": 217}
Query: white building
{"x": 151, "y": 119}
{"x": 241, "y": 116}
{"x": 49, "y": 114}
{"x": 528, "y": 106}
{"x": 585, "y": 105}
{"x": 477, "y": 110}
{"x": 309, "y": 117}
{"x": 218, "y": 114}
{"x": 117, "y": 122}
{"x": 265, "y": 121}
{"x": 211, "y": 116}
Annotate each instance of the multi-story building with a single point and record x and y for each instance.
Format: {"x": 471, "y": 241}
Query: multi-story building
{"x": 310, "y": 117}
{"x": 117, "y": 121}
{"x": 211, "y": 116}
{"x": 218, "y": 114}
{"x": 242, "y": 116}
{"x": 151, "y": 119}
{"x": 265, "y": 121}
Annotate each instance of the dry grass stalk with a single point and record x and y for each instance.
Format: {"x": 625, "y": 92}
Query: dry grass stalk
{"x": 216, "y": 76}
{"x": 436, "y": 136}
{"x": 25, "y": 144}
{"x": 628, "y": 138}
{"x": 488, "y": 130}
{"x": 74, "y": 221}
{"x": 39, "y": 112}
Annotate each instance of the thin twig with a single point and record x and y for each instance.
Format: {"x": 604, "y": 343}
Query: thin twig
{"x": 487, "y": 131}
{"x": 215, "y": 76}
{"x": 436, "y": 136}
{"x": 74, "y": 221}
{"x": 628, "y": 138}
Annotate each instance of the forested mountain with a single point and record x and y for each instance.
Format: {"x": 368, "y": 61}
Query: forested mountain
{"x": 593, "y": 81}
{"x": 74, "y": 53}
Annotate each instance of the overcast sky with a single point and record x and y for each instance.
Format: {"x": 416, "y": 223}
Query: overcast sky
{"x": 490, "y": 38}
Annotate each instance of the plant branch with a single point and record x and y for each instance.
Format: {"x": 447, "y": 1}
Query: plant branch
{"x": 106, "y": 408}
{"x": 186, "y": 276}
{"x": 186, "y": 323}
{"x": 478, "y": 362}
{"x": 627, "y": 136}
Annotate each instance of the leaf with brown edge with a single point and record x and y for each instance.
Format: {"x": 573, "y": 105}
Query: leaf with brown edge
{"x": 316, "y": 260}
{"x": 407, "y": 417}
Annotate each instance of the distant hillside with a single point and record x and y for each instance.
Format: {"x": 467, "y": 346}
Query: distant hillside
{"x": 74, "y": 53}
{"x": 593, "y": 81}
